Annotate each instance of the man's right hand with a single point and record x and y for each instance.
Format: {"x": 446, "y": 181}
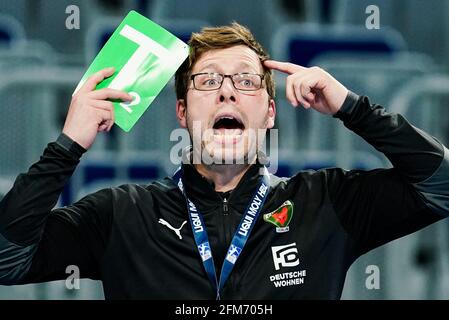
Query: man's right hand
{"x": 90, "y": 112}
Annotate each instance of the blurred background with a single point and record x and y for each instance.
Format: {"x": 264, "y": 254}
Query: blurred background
{"x": 397, "y": 58}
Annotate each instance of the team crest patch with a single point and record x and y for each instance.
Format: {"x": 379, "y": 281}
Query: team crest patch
{"x": 281, "y": 216}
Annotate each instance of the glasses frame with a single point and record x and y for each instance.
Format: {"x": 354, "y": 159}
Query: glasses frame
{"x": 230, "y": 76}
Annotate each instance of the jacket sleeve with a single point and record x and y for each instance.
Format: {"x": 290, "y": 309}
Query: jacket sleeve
{"x": 381, "y": 205}
{"x": 38, "y": 243}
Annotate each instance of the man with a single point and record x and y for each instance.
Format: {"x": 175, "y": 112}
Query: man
{"x": 214, "y": 230}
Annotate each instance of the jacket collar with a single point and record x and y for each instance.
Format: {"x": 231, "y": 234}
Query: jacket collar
{"x": 202, "y": 193}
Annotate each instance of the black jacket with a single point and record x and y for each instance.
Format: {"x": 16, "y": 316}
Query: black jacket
{"x": 114, "y": 234}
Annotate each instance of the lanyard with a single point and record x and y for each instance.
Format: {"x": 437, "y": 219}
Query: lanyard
{"x": 240, "y": 237}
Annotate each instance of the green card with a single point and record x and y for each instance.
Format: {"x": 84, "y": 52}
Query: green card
{"x": 145, "y": 56}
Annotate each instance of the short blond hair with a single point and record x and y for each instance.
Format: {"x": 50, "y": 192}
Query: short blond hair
{"x": 222, "y": 37}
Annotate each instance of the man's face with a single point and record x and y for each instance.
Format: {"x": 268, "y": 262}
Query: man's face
{"x": 227, "y": 123}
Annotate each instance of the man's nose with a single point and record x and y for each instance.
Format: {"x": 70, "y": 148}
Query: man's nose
{"x": 227, "y": 91}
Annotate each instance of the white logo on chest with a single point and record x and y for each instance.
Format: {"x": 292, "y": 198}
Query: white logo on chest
{"x": 177, "y": 231}
{"x": 285, "y": 256}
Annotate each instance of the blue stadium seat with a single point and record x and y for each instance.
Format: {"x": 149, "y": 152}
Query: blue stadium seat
{"x": 301, "y": 43}
{"x": 108, "y": 168}
{"x": 10, "y": 30}
{"x": 144, "y": 171}
{"x": 414, "y": 19}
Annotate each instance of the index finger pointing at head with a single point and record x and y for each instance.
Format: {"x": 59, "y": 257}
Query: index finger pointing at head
{"x": 285, "y": 67}
{"x": 96, "y": 78}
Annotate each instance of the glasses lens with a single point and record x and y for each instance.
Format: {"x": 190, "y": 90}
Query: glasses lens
{"x": 207, "y": 81}
{"x": 247, "y": 81}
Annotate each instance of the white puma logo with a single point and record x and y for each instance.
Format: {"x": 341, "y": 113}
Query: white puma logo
{"x": 177, "y": 231}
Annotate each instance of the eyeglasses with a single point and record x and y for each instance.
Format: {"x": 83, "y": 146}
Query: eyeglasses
{"x": 213, "y": 81}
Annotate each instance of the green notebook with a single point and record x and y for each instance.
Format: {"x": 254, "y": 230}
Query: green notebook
{"x": 145, "y": 56}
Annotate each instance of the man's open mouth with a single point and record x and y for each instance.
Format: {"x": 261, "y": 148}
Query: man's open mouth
{"x": 228, "y": 124}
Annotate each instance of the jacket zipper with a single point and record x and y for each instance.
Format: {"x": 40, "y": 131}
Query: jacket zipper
{"x": 225, "y": 207}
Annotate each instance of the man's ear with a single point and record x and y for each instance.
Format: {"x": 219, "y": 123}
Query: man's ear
{"x": 181, "y": 112}
{"x": 271, "y": 113}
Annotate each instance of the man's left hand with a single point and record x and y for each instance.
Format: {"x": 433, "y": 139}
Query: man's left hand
{"x": 311, "y": 87}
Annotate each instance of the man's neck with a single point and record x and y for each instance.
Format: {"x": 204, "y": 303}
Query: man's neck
{"x": 225, "y": 177}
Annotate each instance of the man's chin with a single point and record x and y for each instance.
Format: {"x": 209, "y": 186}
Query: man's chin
{"x": 220, "y": 155}
{"x": 225, "y": 155}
